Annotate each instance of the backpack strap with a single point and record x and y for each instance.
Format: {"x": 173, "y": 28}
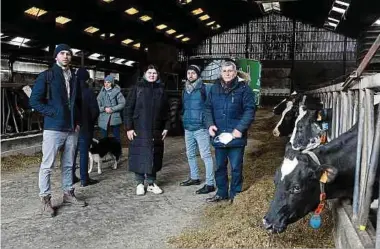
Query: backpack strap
{"x": 48, "y": 80}
{"x": 203, "y": 92}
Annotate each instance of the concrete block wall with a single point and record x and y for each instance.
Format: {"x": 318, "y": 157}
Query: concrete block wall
{"x": 26, "y": 145}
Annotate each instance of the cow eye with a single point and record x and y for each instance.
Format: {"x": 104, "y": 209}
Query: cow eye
{"x": 296, "y": 189}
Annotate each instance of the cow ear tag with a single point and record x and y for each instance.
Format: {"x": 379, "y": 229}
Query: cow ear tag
{"x": 315, "y": 221}
{"x": 323, "y": 177}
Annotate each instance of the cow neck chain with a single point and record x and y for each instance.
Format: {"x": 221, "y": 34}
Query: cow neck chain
{"x": 322, "y": 196}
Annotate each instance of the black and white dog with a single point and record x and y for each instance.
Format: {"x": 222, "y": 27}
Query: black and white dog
{"x": 100, "y": 148}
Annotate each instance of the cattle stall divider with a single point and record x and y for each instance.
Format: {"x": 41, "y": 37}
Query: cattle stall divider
{"x": 350, "y": 106}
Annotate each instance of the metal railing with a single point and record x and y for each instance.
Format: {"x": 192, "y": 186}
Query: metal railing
{"x": 356, "y": 104}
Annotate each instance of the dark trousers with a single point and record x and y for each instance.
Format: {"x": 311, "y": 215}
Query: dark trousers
{"x": 84, "y": 141}
{"x": 235, "y": 156}
{"x": 150, "y": 178}
{"x": 115, "y": 132}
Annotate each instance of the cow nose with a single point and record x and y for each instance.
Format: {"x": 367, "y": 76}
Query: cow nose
{"x": 276, "y": 133}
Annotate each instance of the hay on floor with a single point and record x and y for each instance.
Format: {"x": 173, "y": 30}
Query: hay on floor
{"x": 239, "y": 224}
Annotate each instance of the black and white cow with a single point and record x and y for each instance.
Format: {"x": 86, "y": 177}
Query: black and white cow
{"x": 297, "y": 181}
{"x": 289, "y": 114}
{"x": 308, "y": 130}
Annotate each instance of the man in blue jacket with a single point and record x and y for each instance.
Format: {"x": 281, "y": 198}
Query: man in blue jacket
{"x": 230, "y": 110}
{"x": 196, "y": 133}
{"x": 90, "y": 113}
{"x": 56, "y": 95}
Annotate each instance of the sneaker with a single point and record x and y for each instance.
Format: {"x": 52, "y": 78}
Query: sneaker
{"x": 205, "y": 189}
{"x": 70, "y": 198}
{"x": 154, "y": 189}
{"x": 47, "y": 208}
{"x": 140, "y": 190}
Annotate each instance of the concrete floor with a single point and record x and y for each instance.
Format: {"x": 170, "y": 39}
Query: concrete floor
{"x": 115, "y": 216}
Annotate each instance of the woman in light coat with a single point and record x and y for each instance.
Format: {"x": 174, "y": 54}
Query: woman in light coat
{"x": 111, "y": 104}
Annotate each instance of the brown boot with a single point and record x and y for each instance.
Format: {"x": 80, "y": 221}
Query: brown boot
{"x": 70, "y": 198}
{"x": 47, "y": 209}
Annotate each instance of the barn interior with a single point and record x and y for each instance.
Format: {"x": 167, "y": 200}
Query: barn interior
{"x": 299, "y": 45}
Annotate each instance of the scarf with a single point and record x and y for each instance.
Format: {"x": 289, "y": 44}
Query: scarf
{"x": 190, "y": 86}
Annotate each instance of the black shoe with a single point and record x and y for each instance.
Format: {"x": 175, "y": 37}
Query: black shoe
{"x": 89, "y": 182}
{"x": 216, "y": 198}
{"x": 205, "y": 189}
{"x": 190, "y": 182}
{"x": 75, "y": 179}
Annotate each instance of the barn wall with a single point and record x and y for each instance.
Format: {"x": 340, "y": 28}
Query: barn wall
{"x": 319, "y": 55}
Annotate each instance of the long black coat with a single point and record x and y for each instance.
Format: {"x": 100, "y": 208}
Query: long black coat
{"x": 147, "y": 113}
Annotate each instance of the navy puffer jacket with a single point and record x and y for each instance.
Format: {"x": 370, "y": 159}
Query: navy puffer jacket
{"x": 229, "y": 109}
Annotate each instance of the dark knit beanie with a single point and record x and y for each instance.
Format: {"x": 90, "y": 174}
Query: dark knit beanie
{"x": 83, "y": 74}
{"x": 195, "y": 68}
{"x": 62, "y": 47}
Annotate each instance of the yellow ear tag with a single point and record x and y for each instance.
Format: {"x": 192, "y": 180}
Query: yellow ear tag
{"x": 319, "y": 117}
{"x": 323, "y": 177}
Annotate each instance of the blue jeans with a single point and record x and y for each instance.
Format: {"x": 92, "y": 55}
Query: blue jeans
{"x": 150, "y": 178}
{"x": 83, "y": 146}
{"x": 52, "y": 142}
{"x": 115, "y": 132}
{"x": 202, "y": 138}
{"x": 235, "y": 156}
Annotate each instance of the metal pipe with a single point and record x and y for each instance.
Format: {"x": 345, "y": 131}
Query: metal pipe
{"x": 373, "y": 165}
{"x": 334, "y": 113}
{"x": 350, "y": 109}
{"x": 338, "y": 114}
{"x": 371, "y": 120}
{"x": 343, "y": 113}
{"x": 364, "y": 161}
{"x": 355, "y": 204}
{"x": 356, "y": 107}
{"x": 370, "y": 81}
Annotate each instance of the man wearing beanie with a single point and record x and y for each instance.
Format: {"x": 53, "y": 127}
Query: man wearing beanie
{"x": 196, "y": 133}
{"x": 56, "y": 95}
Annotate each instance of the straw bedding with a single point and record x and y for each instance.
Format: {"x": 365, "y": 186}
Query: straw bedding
{"x": 239, "y": 224}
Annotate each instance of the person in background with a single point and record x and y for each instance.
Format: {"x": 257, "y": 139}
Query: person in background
{"x": 111, "y": 104}
{"x": 146, "y": 120}
{"x": 90, "y": 113}
{"x": 230, "y": 110}
{"x": 196, "y": 133}
{"x": 56, "y": 95}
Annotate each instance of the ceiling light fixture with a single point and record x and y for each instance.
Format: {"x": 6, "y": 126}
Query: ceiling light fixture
{"x": 131, "y": 11}
{"x": 91, "y": 30}
{"x": 204, "y": 17}
{"x": 36, "y": 12}
{"x": 179, "y": 36}
{"x": 161, "y": 26}
{"x": 210, "y": 23}
{"x": 171, "y": 31}
{"x": 62, "y": 20}
{"x": 127, "y": 41}
{"x": 145, "y": 18}
{"x": 197, "y": 11}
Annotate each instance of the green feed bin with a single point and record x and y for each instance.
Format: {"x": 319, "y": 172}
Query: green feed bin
{"x": 253, "y": 68}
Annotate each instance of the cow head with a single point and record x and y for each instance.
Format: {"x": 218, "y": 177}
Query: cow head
{"x": 307, "y": 131}
{"x": 280, "y": 107}
{"x": 288, "y": 117}
{"x": 297, "y": 191}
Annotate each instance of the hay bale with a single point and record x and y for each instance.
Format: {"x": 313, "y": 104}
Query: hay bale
{"x": 239, "y": 225}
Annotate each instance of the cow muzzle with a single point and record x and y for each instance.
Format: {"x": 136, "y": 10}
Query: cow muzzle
{"x": 272, "y": 228}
